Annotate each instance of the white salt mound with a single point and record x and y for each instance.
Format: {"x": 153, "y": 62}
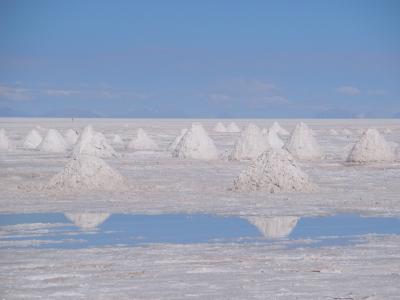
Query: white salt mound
{"x": 175, "y": 143}
{"x": 274, "y": 227}
{"x": 219, "y": 127}
{"x": 117, "y": 140}
{"x": 279, "y": 129}
{"x": 273, "y": 139}
{"x": 86, "y": 173}
{"x": 333, "y": 132}
{"x": 93, "y": 143}
{"x": 388, "y": 131}
{"x": 71, "y": 136}
{"x": 142, "y": 141}
{"x": 232, "y": 127}
{"x": 347, "y": 132}
{"x": 250, "y": 144}
{"x": 87, "y": 221}
{"x": 196, "y": 144}
{"x": 274, "y": 171}
{"x": 5, "y": 144}
{"x": 302, "y": 144}
{"x": 53, "y": 142}
{"x": 372, "y": 147}
{"x": 32, "y": 140}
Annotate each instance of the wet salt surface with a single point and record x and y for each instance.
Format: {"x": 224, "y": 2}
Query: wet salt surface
{"x": 84, "y": 230}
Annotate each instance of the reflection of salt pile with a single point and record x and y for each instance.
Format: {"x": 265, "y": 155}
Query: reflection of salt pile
{"x": 372, "y": 147}
{"x": 87, "y": 221}
{"x": 71, "y": 136}
{"x": 196, "y": 144}
{"x": 333, "y": 132}
{"x": 219, "y": 127}
{"x": 278, "y": 129}
{"x": 53, "y": 142}
{"x": 302, "y": 143}
{"x": 175, "y": 143}
{"x": 4, "y": 142}
{"x": 232, "y": 127}
{"x": 93, "y": 143}
{"x": 87, "y": 173}
{"x": 273, "y": 139}
{"x": 250, "y": 144}
{"x": 274, "y": 171}
{"x": 117, "y": 140}
{"x": 274, "y": 227}
{"x": 142, "y": 141}
{"x": 32, "y": 140}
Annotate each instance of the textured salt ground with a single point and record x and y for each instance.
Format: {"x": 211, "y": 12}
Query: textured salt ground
{"x": 367, "y": 271}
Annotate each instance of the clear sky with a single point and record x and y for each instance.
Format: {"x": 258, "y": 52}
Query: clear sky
{"x": 189, "y": 58}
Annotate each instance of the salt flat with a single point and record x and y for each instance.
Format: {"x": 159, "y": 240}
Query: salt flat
{"x": 158, "y": 183}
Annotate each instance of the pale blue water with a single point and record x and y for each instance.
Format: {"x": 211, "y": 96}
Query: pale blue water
{"x": 131, "y": 230}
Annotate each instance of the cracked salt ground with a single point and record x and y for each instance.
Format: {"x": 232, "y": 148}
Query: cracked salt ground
{"x": 86, "y": 230}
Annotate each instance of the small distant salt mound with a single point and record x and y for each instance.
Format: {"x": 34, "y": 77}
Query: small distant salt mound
{"x": 86, "y": 173}
{"x": 250, "y": 144}
{"x": 196, "y": 144}
{"x": 40, "y": 129}
{"x": 53, "y": 142}
{"x": 32, "y": 140}
{"x": 273, "y": 139}
{"x": 142, "y": 142}
{"x": 87, "y": 221}
{"x": 117, "y": 140}
{"x": 302, "y": 143}
{"x": 175, "y": 143}
{"x": 388, "y": 131}
{"x": 347, "y": 132}
{"x": 93, "y": 143}
{"x": 372, "y": 147}
{"x": 5, "y": 144}
{"x": 278, "y": 129}
{"x": 219, "y": 127}
{"x": 71, "y": 136}
{"x": 274, "y": 227}
{"x": 274, "y": 171}
{"x": 333, "y": 132}
{"x": 232, "y": 127}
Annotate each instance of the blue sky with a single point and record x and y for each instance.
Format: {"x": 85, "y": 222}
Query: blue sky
{"x": 201, "y": 58}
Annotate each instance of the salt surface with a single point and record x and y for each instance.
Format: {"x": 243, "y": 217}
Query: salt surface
{"x": 219, "y": 127}
{"x": 302, "y": 144}
{"x": 53, "y": 142}
{"x": 93, "y": 143}
{"x": 232, "y": 127}
{"x": 196, "y": 144}
{"x": 86, "y": 173}
{"x": 372, "y": 147}
{"x": 274, "y": 171}
{"x": 142, "y": 142}
{"x": 250, "y": 144}
{"x": 32, "y": 140}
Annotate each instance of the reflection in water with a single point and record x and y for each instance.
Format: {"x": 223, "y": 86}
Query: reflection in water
{"x": 274, "y": 227}
{"x": 87, "y": 221}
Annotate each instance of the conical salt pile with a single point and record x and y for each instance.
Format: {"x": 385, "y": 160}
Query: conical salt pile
{"x": 274, "y": 227}
{"x": 32, "y": 140}
{"x": 53, "y": 142}
{"x": 232, "y": 127}
{"x": 196, "y": 144}
{"x": 71, "y": 136}
{"x": 274, "y": 171}
{"x": 347, "y": 132}
{"x": 117, "y": 140}
{"x": 388, "y": 131}
{"x": 372, "y": 147}
{"x": 175, "y": 143}
{"x": 142, "y": 142}
{"x": 87, "y": 172}
{"x": 219, "y": 127}
{"x": 278, "y": 129}
{"x": 273, "y": 139}
{"x": 250, "y": 144}
{"x": 302, "y": 144}
{"x": 93, "y": 143}
{"x": 87, "y": 221}
{"x": 4, "y": 141}
{"x": 333, "y": 132}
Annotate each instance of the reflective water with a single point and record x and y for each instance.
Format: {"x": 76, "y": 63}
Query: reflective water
{"x": 82, "y": 230}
